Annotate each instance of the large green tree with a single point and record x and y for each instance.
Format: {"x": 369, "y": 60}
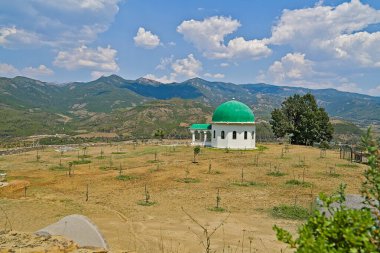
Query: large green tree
{"x": 302, "y": 119}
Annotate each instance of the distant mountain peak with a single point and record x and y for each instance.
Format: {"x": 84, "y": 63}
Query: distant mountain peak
{"x": 144, "y": 80}
{"x": 197, "y": 79}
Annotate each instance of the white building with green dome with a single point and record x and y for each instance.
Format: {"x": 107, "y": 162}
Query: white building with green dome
{"x": 233, "y": 127}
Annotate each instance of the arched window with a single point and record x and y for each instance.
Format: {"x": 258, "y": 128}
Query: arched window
{"x": 222, "y": 135}
{"x": 234, "y": 135}
{"x": 245, "y": 135}
{"x": 214, "y": 134}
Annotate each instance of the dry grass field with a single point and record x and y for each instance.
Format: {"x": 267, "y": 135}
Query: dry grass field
{"x": 163, "y": 227}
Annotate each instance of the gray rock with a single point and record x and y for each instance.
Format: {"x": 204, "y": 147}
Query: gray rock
{"x": 77, "y": 228}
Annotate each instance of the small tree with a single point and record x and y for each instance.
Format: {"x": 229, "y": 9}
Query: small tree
{"x": 218, "y": 199}
{"x": 147, "y": 195}
{"x": 38, "y": 157}
{"x": 159, "y": 133}
{"x": 70, "y": 168}
{"x": 197, "y": 150}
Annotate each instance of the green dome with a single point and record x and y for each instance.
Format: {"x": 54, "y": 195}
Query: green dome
{"x": 233, "y": 111}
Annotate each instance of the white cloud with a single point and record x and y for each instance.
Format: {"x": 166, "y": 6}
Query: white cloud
{"x": 101, "y": 60}
{"x": 41, "y": 70}
{"x": 188, "y": 67}
{"x": 335, "y": 42}
{"x": 331, "y": 33}
{"x": 298, "y": 71}
{"x": 375, "y": 91}
{"x": 224, "y": 64}
{"x": 291, "y": 67}
{"x": 217, "y": 75}
{"x": 146, "y": 39}
{"x": 208, "y": 37}
{"x": 73, "y": 5}
{"x": 322, "y": 22}
{"x": 55, "y": 23}
{"x": 165, "y": 62}
{"x": 361, "y": 47}
{"x": 9, "y": 70}
{"x": 11, "y": 35}
{"x": 162, "y": 79}
{"x": 351, "y": 87}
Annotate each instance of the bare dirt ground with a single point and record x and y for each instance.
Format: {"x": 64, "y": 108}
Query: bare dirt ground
{"x": 163, "y": 227}
{"x": 28, "y": 242}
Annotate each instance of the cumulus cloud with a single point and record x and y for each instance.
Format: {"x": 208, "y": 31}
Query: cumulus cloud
{"x": 335, "y": 43}
{"x": 101, "y": 60}
{"x": 74, "y": 5}
{"x": 375, "y": 91}
{"x": 361, "y": 48}
{"x": 9, "y": 70}
{"x": 11, "y": 35}
{"x": 165, "y": 62}
{"x": 331, "y": 32}
{"x": 54, "y": 23}
{"x": 217, "y": 75}
{"x": 208, "y": 37}
{"x": 162, "y": 79}
{"x": 188, "y": 67}
{"x": 294, "y": 69}
{"x": 291, "y": 67}
{"x": 41, "y": 70}
{"x": 146, "y": 39}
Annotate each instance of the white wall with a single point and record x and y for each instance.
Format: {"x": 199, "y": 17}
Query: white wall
{"x": 228, "y": 142}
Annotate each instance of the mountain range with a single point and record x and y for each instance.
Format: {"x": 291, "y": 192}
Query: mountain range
{"x": 112, "y": 104}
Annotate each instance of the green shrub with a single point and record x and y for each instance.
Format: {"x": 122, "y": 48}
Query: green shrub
{"x": 276, "y": 174}
{"x": 144, "y": 203}
{"x": 57, "y": 168}
{"x": 247, "y": 183}
{"x": 347, "y": 165}
{"x": 298, "y": 183}
{"x": 125, "y": 177}
{"x": 290, "y": 212}
{"x": 77, "y": 162}
{"x": 346, "y": 230}
{"x": 188, "y": 180}
{"x": 217, "y": 209}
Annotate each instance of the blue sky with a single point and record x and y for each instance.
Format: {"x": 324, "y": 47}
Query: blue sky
{"x": 313, "y": 44}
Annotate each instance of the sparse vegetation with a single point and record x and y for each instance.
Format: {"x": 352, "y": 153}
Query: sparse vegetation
{"x": 126, "y": 177}
{"x": 298, "y": 183}
{"x": 294, "y": 212}
{"x": 245, "y": 189}
{"x": 78, "y": 162}
{"x": 146, "y": 201}
{"x": 217, "y": 207}
{"x": 347, "y": 165}
{"x": 196, "y": 150}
